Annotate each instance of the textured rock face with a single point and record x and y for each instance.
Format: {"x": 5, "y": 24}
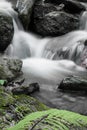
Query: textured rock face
{"x": 17, "y": 88}
{"x": 6, "y": 31}
{"x": 10, "y": 68}
{"x": 54, "y": 18}
{"x": 24, "y": 8}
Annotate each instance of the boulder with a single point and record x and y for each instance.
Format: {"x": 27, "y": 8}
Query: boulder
{"x": 24, "y": 8}
{"x": 10, "y": 68}
{"x": 73, "y": 83}
{"x": 6, "y": 31}
{"x": 19, "y": 87}
{"x": 54, "y": 18}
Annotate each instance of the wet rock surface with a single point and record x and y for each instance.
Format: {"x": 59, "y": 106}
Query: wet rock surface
{"x": 54, "y": 18}
{"x": 6, "y": 31}
{"x": 10, "y": 68}
{"x": 73, "y": 83}
{"x": 20, "y": 87}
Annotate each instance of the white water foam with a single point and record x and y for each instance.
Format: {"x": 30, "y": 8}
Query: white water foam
{"x": 51, "y": 72}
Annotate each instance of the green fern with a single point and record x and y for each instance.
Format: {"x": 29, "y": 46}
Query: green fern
{"x": 52, "y": 119}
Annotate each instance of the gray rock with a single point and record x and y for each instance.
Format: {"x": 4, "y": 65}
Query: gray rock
{"x": 73, "y": 83}
{"x": 24, "y": 8}
{"x": 6, "y": 31}
{"x": 54, "y": 18}
{"x": 19, "y": 86}
{"x": 10, "y": 68}
{"x": 26, "y": 89}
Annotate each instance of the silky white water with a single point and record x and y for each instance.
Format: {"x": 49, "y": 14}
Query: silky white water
{"x": 49, "y": 71}
{"x": 33, "y": 51}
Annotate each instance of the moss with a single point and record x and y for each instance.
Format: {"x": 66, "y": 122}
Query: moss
{"x": 2, "y": 111}
{"x": 52, "y": 119}
{"x": 13, "y": 108}
{"x": 26, "y": 104}
{"x": 5, "y": 98}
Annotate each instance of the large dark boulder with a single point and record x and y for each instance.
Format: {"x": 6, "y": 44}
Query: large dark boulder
{"x": 6, "y": 31}
{"x": 24, "y": 8}
{"x": 54, "y": 18}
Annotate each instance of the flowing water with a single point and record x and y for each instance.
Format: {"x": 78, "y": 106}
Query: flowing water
{"x": 49, "y": 60}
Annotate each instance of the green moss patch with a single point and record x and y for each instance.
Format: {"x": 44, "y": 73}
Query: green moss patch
{"x": 14, "y": 108}
{"x": 52, "y": 119}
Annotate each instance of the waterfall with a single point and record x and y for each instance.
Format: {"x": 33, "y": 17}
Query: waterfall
{"x": 34, "y": 51}
{"x": 26, "y": 45}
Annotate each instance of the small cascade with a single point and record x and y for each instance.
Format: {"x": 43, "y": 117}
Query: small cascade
{"x": 69, "y": 46}
{"x": 26, "y": 45}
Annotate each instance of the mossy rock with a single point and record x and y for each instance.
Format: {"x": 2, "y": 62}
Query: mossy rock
{"x": 10, "y": 68}
{"x": 5, "y": 98}
{"x": 26, "y": 104}
{"x": 52, "y": 119}
{"x": 14, "y": 108}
